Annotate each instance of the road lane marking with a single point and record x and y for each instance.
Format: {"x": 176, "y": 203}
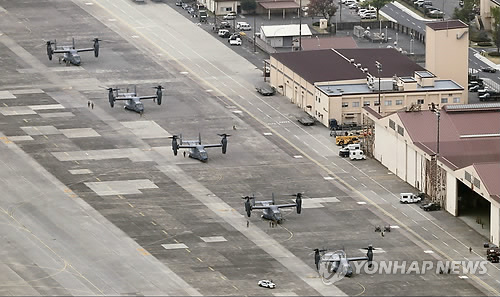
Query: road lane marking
{"x": 435, "y": 236}
{"x": 445, "y": 243}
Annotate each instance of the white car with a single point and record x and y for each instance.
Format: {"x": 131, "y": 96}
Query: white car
{"x": 368, "y": 16}
{"x": 243, "y": 26}
{"x": 409, "y": 198}
{"x": 267, "y": 284}
{"x": 363, "y": 11}
{"x": 223, "y": 32}
{"x": 235, "y": 41}
{"x": 229, "y": 16}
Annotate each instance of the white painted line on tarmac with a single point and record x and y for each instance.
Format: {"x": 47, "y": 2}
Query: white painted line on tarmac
{"x": 463, "y": 276}
{"x": 425, "y": 229}
{"x": 456, "y": 251}
{"x": 327, "y": 178}
{"x": 429, "y": 252}
{"x": 414, "y": 221}
{"x": 374, "y": 192}
{"x": 315, "y": 150}
{"x": 259, "y": 109}
{"x": 445, "y": 243}
{"x": 361, "y": 202}
{"x": 286, "y": 129}
{"x": 298, "y": 157}
{"x": 403, "y": 213}
{"x": 498, "y": 281}
{"x": 268, "y": 133}
{"x": 435, "y": 236}
{"x": 466, "y": 258}
{"x": 395, "y": 227}
{"x": 354, "y": 178}
{"x": 241, "y": 97}
{"x": 383, "y": 199}
{"x": 393, "y": 206}
{"x": 363, "y": 185}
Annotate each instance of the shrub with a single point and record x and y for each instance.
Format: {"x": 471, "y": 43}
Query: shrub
{"x": 315, "y": 24}
{"x": 481, "y": 36}
{"x": 494, "y": 54}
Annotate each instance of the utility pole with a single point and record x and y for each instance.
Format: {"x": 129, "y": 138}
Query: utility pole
{"x": 379, "y": 69}
{"x": 300, "y": 25}
{"x": 254, "y": 32}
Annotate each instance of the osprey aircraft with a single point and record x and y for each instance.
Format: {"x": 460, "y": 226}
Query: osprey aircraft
{"x": 132, "y": 101}
{"x": 70, "y": 52}
{"x": 197, "y": 149}
{"x": 271, "y": 210}
{"x": 338, "y": 262}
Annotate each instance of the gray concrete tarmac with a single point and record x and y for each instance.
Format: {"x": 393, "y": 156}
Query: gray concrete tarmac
{"x": 185, "y": 218}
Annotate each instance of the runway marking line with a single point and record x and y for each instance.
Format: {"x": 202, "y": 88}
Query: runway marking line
{"x": 211, "y": 268}
{"x": 320, "y": 165}
{"x": 199, "y": 259}
{"x": 130, "y": 205}
{"x": 154, "y": 224}
{"x": 164, "y": 232}
{"x": 187, "y": 250}
{"x": 141, "y": 213}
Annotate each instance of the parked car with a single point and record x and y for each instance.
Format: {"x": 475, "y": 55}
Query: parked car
{"x": 474, "y": 88}
{"x": 369, "y": 16}
{"x": 357, "y": 155}
{"x": 266, "y": 284}
{"x": 243, "y": 26}
{"x": 229, "y": 16}
{"x": 224, "y": 33}
{"x": 266, "y": 90}
{"x": 184, "y": 5}
{"x": 224, "y": 25}
{"x": 430, "y": 206}
{"x": 234, "y": 41}
{"x": 307, "y": 120}
{"x": 178, "y": 3}
{"x": 489, "y": 69}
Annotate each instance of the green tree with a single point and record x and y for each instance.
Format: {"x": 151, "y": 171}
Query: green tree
{"x": 325, "y": 8}
{"x": 495, "y": 13}
{"x": 378, "y": 4}
{"x": 248, "y": 5}
{"x": 466, "y": 13}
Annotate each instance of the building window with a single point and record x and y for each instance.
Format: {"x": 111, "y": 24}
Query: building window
{"x": 456, "y": 100}
{"x": 444, "y": 100}
{"x": 477, "y": 183}
{"x": 319, "y": 99}
{"x": 399, "y": 102}
{"x": 366, "y": 103}
{"x": 228, "y": 8}
{"x": 420, "y": 101}
{"x": 392, "y": 124}
{"x": 355, "y": 104}
{"x": 468, "y": 176}
{"x": 401, "y": 131}
{"x": 345, "y": 104}
{"x": 376, "y": 103}
{"x": 388, "y": 102}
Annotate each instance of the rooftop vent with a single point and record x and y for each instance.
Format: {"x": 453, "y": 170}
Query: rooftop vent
{"x": 351, "y": 61}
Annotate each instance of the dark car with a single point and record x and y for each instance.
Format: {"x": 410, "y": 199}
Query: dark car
{"x": 474, "y": 88}
{"x": 344, "y": 152}
{"x": 430, "y": 206}
{"x": 178, "y": 3}
{"x": 307, "y": 120}
{"x": 224, "y": 25}
{"x": 266, "y": 90}
{"x": 489, "y": 69}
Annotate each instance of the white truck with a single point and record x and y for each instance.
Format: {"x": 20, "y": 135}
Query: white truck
{"x": 357, "y": 154}
{"x": 409, "y": 198}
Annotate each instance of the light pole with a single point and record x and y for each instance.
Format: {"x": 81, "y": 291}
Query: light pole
{"x": 254, "y": 32}
{"x": 300, "y": 25}
{"x": 379, "y": 69}
{"x": 438, "y": 113}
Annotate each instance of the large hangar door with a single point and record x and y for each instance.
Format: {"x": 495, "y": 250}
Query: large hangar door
{"x": 473, "y": 209}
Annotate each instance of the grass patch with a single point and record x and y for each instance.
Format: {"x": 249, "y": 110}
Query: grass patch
{"x": 412, "y": 8}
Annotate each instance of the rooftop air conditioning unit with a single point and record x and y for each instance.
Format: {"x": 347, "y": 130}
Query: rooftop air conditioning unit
{"x": 351, "y": 61}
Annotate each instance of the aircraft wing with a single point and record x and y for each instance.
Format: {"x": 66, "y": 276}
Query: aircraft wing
{"x": 260, "y": 207}
{"x": 148, "y": 97}
{"x": 286, "y": 205}
{"x": 89, "y": 49}
{"x": 187, "y": 146}
{"x": 357, "y": 259}
{"x": 330, "y": 260}
{"x": 61, "y": 51}
{"x": 212, "y": 145}
{"x": 123, "y": 98}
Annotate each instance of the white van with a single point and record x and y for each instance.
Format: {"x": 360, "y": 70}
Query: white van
{"x": 354, "y": 146}
{"x": 357, "y": 155}
{"x": 243, "y": 26}
{"x": 409, "y": 198}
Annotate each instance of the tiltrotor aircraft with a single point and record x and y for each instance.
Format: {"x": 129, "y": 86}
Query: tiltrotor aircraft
{"x": 338, "y": 261}
{"x": 70, "y": 52}
{"x": 132, "y": 101}
{"x": 197, "y": 149}
{"x": 271, "y": 210}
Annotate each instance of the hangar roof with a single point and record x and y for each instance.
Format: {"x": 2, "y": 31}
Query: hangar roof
{"x": 335, "y": 65}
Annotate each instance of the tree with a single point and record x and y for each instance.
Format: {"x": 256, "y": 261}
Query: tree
{"x": 495, "y": 14}
{"x": 466, "y": 13}
{"x": 378, "y": 4}
{"x": 325, "y": 8}
{"x": 248, "y": 5}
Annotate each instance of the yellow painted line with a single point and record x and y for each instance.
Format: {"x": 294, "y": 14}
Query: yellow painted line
{"x": 164, "y": 232}
{"x": 211, "y": 268}
{"x": 25, "y": 120}
{"x": 154, "y": 224}
{"x": 176, "y": 241}
{"x": 98, "y": 179}
{"x": 143, "y": 252}
{"x": 130, "y": 204}
{"x": 235, "y": 287}
{"x": 340, "y": 180}
{"x": 141, "y": 214}
{"x": 72, "y": 195}
{"x": 67, "y": 190}
{"x": 121, "y": 197}
{"x": 187, "y": 250}
{"x": 45, "y": 137}
{"x": 223, "y": 277}
{"x": 76, "y": 162}
{"x": 55, "y": 144}
{"x": 199, "y": 259}
{"x": 5, "y": 104}
{"x": 66, "y": 153}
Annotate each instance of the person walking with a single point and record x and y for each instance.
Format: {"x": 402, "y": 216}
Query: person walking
{"x": 248, "y": 223}
{"x": 88, "y": 104}
{"x": 92, "y": 105}
{"x": 470, "y": 250}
